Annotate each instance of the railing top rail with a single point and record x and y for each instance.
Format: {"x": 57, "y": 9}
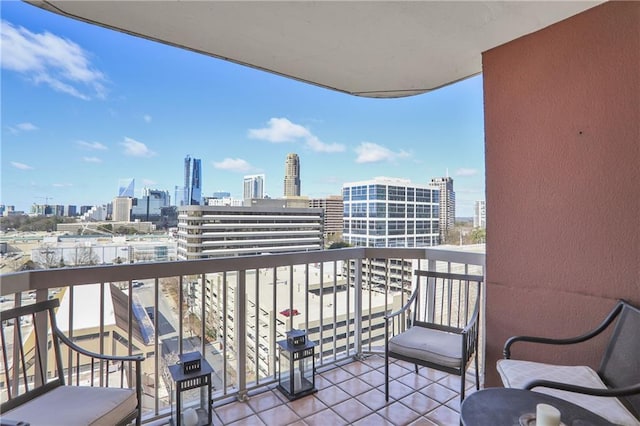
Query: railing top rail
{"x": 52, "y": 278}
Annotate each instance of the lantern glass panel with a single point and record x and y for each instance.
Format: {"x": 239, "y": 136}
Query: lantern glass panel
{"x": 296, "y": 374}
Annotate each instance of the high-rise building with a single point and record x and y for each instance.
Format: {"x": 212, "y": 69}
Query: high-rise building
{"x": 149, "y": 207}
{"x": 333, "y": 214}
{"x": 447, "y": 204}
{"x": 126, "y": 187}
{"x": 122, "y": 209}
{"x": 71, "y": 210}
{"x": 195, "y": 191}
{"x": 480, "y": 214}
{"x": 292, "y": 176}
{"x": 253, "y": 186}
{"x": 187, "y": 181}
{"x": 192, "y": 190}
{"x": 386, "y": 212}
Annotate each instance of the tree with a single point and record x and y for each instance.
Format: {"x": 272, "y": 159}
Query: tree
{"x": 339, "y": 244}
{"x": 478, "y": 235}
{"x": 84, "y": 256}
{"x": 49, "y": 257}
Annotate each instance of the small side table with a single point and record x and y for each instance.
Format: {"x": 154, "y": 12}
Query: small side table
{"x": 504, "y": 406}
{"x": 188, "y": 381}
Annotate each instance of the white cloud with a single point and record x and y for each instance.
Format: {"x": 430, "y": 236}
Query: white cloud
{"x": 466, "y": 172}
{"x": 233, "y": 165}
{"x": 91, "y": 159}
{"x": 46, "y": 58}
{"x": 369, "y": 152}
{"x": 147, "y": 118}
{"x": 280, "y": 130}
{"x": 23, "y": 127}
{"x": 316, "y": 145}
{"x": 21, "y": 166}
{"x": 94, "y": 146}
{"x": 133, "y": 148}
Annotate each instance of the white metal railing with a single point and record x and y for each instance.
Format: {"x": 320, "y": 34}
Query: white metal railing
{"x": 233, "y": 310}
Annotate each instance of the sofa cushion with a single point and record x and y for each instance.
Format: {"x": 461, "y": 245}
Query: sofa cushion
{"x": 516, "y": 374}
{"x": 429, "y": 345}
{"x": 77, "y": 405}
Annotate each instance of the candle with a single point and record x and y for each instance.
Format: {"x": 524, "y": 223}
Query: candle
{"x": 190, "y": 417}
{"x": 547, "y": 415}
{"x": 297, "y": 381}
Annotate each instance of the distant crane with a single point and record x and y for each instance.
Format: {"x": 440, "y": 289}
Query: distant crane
{"x": 46, "y": 200}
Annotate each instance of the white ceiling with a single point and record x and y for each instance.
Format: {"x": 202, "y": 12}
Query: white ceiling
{"x": 365, "y": 48}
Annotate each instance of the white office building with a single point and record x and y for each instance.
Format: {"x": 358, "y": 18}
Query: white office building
{"x": 218, "y": 231}
{"x": 387, "y": 212}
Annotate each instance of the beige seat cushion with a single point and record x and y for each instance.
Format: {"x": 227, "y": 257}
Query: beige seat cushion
{"x": 429, "y": 345}
{"x": 76, "y": 405}
{"x": 516, "y": 374}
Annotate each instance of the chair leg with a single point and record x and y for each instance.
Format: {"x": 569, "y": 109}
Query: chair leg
{"x": 416, "y": 365}
{"x": 386, "y": 376}
{"x": 462, "y": 382}
{"x": 477, "y": 373}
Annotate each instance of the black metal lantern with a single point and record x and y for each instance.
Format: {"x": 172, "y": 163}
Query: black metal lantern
{"x": 191, "y": 372}
{"x": 296, "y": 373}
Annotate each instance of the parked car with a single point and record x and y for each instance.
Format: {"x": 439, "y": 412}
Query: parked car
{"x": 137, "y": 284}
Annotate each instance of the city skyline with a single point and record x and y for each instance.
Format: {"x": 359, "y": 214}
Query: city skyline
{"x": 117, "y": 106}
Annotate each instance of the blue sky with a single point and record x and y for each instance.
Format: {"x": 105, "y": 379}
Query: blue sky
{"x": 83, "y": 107}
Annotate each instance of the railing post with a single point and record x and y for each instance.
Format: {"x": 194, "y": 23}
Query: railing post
{"x": 240, "y": 326}
{"x": 41, "y": 326}
{"x": 357, "y": 285}
{"x": 430, "y": 291}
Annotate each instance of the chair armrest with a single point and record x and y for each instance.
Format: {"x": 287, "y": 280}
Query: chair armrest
{"x": 68, "y": 342}
{"x": 611, "y": 392}
{"x": 404, "y": 308}
{"x": 567, "y": 341}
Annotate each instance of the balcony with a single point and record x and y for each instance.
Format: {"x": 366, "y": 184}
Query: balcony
{"x": 338, "y": 296}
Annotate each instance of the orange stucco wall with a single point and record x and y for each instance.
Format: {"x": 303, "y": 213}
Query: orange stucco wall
{"x": 562, "y": 128}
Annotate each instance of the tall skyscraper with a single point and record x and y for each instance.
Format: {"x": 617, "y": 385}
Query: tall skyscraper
{"x": 126, "y": 187}
{"x": 292, "y": 176}
{"x": 254, "y": 186}
{"x": 187, "y": 181}
{"x": 447, "y": 204}
{"x": 192, "y": 190}
{"x": 195, "y": 191}
{"x": 480, "y": 214}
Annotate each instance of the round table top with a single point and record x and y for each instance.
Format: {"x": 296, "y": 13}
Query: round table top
{"x": 505, "y": 406}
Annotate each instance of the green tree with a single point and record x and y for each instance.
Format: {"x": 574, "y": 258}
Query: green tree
{"x": 339, "y": 244}
{"x": 478, "y": 235}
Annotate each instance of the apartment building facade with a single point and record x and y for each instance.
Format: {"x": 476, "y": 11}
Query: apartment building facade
{"x": 447, "y": 204}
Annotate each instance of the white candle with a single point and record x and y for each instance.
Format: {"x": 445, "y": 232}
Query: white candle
{"x": 190, "y": 417}
{"x": 297, "y": 381}
{"x": 547, "y": 415}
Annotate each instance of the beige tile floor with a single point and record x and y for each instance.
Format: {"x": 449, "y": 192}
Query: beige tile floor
{"x": 353, "y": 393}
